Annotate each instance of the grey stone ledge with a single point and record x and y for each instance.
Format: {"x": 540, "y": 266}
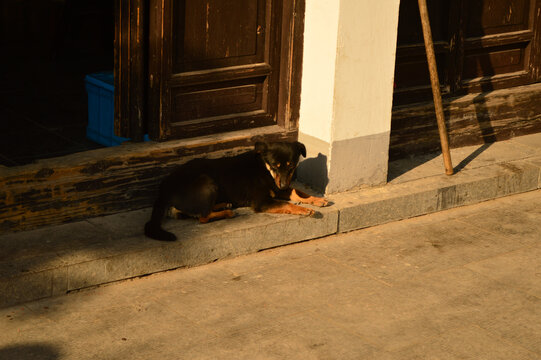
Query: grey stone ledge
{"x": 53, "y": 261}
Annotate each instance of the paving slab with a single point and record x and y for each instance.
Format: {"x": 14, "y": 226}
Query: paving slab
{"x": 470, "y": 297}
{"x": 467, "y": 342}
{"x": 520, "y": 269}
{"x": 59, "y": 259}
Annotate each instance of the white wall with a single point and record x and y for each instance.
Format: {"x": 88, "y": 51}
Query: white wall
{"x": 347, "y": 89}
{"x": 364, "y": 70}
{"x": 319, "y": 58}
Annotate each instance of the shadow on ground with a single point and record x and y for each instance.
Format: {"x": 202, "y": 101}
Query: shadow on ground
{"x": 30, "y": 352}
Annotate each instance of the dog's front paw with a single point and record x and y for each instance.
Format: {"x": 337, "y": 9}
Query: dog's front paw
{"x": 311, "y": 212}
{"x": 321, "y": 202}
{"x": 173, "y": 213}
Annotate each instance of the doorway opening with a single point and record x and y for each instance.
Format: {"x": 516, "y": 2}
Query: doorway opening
{"x": 48, "y": 47}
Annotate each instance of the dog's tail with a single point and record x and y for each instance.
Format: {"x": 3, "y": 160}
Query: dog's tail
{"x": 153, "y": 228}
{"x": 155, "y": 231}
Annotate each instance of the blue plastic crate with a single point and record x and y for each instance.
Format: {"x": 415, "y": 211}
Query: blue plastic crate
{"x": 101, "y": 109}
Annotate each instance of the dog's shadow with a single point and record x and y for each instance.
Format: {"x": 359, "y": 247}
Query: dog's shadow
{"x": 313, "y": 176}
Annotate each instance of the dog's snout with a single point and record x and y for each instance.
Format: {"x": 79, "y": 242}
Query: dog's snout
{"x": 281, "y": 182}
{"x": 284, "y": 183}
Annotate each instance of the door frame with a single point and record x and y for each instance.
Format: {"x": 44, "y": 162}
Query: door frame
{"x": 130, "y": 68}
{"x": 138, "y": 76}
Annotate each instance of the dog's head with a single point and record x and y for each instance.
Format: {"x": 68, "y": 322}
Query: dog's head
{"x": 281, "y": 159}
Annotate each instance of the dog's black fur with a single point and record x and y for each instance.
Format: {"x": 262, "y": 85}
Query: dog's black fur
{"x": 255, "y": 178}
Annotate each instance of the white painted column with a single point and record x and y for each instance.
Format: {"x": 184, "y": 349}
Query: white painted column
{"x": 347, "y": 92}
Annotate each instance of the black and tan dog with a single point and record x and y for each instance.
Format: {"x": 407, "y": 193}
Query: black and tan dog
{"x": 208, "y": 188}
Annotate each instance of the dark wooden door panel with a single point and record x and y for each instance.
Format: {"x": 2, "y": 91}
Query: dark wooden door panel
{"x": 488, "y": 17}
{"x": 478, "y": 64}
{"x": 204, "y": 103}
{"x": 218, "y": 65}
{"x": 218, "y": 33}
{"x": 414, "y": 72}
{"x": 207, "y": 108}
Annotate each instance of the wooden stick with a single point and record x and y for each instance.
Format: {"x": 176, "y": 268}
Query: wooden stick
{"x": 431, "y": 58}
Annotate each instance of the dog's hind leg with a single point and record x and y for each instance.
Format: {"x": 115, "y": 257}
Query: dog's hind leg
{"x": 153, "y": 228}
{"x": 221, "y": 210}
{"x": 215, "y": 215}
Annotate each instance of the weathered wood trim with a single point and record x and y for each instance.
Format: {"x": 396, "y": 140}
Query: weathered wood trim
{"x": 495, "y": 82}
{"x": 106, "y": 181}
{"x": 499, "y": 40}
{"x": 295, "y": 76}
{"x": 471, "y": 119}
{"x": 535, "y": 51}
{"x": 417, "y": 50}
{"x": 130, "y": 67}
{"x": 155, "y": 88}
{"x": 223, "y": 74}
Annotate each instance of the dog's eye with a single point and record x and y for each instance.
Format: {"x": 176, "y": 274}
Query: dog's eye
{"x": 288, "y": 163}
{"x": 277, "y": 165}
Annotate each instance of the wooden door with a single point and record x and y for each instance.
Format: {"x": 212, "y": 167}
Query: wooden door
{"x": 480, "y": 45}
{"x": 217, "y": 65}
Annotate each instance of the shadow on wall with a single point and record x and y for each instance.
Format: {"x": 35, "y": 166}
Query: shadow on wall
{"x": 30, "y": 352}
{"x": 313, "y": 172}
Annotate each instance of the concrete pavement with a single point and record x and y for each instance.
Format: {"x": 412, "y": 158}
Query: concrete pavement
{"x": 458, "y": 284}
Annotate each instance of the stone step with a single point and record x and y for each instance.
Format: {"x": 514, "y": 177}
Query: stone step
{"x": 58, "y": 259}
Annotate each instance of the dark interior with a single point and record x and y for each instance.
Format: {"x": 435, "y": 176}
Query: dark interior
{"x": 48, "y": 46}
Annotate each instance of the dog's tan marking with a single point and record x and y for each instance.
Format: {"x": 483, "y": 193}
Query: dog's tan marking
{"x": 222, "y": 206}
{"x": 174, "y": 213}
{"x": 281, "y": 207}
{"x": 299, "y": 196}
{"x": 272, "y": 194}
{"x": 224, "y": 214}
{"x": 274, "y": 175}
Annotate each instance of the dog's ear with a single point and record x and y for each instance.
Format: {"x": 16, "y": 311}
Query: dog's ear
{"x": 260, "y": 147}
{"x": 302, "y": 149}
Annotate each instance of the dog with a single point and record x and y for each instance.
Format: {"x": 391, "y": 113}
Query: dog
{"x": 208, "y": 189}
